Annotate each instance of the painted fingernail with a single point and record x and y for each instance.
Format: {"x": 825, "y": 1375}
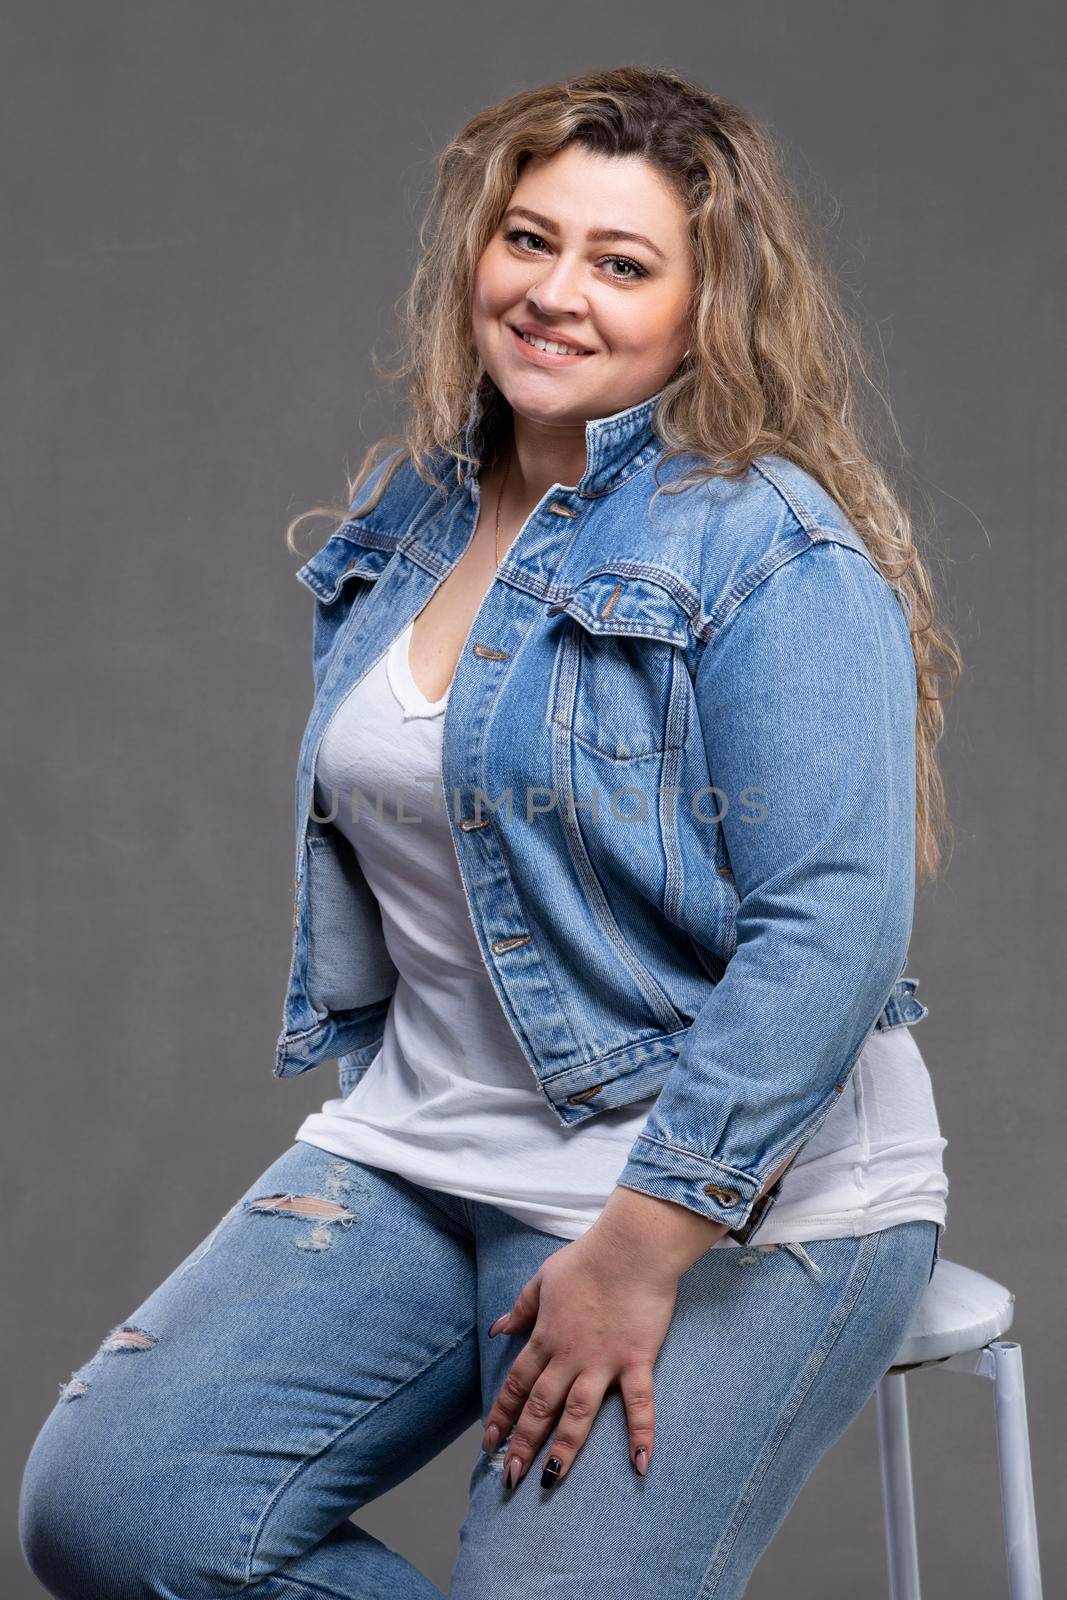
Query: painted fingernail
{"x": 553, "y": 1468}
{"x": 513, "y": 1471}
{"x": 641, "y": 1461}
{"x": 491, "y": 1439}
{"x": 494, "y": 1327}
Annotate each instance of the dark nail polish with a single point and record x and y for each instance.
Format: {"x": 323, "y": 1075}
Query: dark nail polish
{"x": 553, "y": 1468}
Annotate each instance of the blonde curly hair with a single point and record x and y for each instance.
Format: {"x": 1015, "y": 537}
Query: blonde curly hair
{"x": 775, "y": 365}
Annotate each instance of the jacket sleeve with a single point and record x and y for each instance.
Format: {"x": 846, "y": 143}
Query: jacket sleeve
{"x": 806, "y": 695}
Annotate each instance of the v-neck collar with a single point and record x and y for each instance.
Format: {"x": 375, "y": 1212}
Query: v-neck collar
{"x": 409, "y": 696}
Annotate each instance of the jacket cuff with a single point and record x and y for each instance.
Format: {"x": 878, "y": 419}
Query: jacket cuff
{"x": 719, "y": 1193}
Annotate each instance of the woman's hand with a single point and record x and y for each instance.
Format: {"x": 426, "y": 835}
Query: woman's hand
{"x": 598, "y": 1311}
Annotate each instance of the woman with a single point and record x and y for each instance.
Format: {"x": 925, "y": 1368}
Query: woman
{"x": 609, "y": 808}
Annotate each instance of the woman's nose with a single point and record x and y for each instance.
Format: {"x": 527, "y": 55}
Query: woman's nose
{"x": 558, "y": 291}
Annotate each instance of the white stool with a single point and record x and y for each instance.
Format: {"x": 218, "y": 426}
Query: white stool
{"x": 958, "y": 1327}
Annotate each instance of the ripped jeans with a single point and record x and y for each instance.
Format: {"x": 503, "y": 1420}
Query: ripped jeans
{"x": 328, "y": 1338}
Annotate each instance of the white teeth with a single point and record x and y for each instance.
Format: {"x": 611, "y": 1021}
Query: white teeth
{"x": 551, "y": 345}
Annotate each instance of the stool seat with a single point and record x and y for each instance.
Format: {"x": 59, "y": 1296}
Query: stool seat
{"x": 961, "y": 1310}
{"x": 957, "y": 1327}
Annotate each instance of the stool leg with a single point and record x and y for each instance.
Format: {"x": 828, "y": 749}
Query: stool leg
{"x": 898, "y": 1499}
{"x": 1016, "y": 1477}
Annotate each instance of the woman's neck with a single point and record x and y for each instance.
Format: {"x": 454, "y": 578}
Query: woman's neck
{"x": 539, "y": 457}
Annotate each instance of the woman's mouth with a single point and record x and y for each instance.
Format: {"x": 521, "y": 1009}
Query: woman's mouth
{"x": 548, "y": 352}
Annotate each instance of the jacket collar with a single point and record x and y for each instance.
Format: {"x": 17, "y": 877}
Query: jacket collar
{"x": 615, "y": 447}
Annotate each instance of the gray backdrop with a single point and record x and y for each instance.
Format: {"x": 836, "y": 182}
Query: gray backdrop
{"x": 211, "y": 212}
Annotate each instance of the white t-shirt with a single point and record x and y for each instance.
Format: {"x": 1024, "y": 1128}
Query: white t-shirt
{"x": 450, "y": 1102}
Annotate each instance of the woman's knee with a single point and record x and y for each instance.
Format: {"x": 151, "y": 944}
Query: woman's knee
{"x": 67, "y": 1512}
{"x": 102, "y": 1516}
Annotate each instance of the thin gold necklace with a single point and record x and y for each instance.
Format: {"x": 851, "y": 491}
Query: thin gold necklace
{"x": 499, "y": 502}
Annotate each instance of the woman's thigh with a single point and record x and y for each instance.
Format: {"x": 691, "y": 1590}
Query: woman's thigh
{"x": 764, "y": 1366}
{"x": 314, "y": 1350}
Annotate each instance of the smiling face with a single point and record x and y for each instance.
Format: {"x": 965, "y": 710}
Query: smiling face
{"x": 560, "y": 266}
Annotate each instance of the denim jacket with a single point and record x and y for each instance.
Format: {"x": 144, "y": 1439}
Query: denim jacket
{"x": 679, "y": 763}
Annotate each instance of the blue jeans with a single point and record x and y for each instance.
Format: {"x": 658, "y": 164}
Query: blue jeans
{"x": 311, "y": 1353}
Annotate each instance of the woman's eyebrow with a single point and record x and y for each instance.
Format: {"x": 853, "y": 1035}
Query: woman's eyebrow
{"x": 601, "y": 235}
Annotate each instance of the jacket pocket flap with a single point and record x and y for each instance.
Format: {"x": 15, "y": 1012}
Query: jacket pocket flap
{"x": 615, "y": 603}
{"x": 352, "y": 552}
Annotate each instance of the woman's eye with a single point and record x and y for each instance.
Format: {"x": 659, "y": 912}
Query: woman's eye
{"x": 624, "y": 261}
{"x": 520, "y": 233}
{"x": 634, "y": 268}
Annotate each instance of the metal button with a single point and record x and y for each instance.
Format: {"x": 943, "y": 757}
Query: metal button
{"x": 469, "y": 824}
{"x": 559, "y": 510}
{"x": 560, "y": 605}
{"x": 726, "y": 1197}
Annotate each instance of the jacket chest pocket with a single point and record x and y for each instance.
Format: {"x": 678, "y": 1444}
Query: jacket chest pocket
{"x": 620, "y": 685}
{"x": 342, "y": 576}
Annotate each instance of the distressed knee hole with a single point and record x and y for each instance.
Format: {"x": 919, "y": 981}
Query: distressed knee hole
{"x": 304, "y": 1205}
{"x": 123, "y": 1340}
{"x": 325, "y": 1212}
{"x": 127, "y": 1338}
